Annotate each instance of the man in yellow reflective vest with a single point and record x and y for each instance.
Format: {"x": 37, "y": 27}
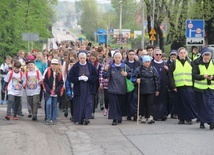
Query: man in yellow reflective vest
{"x": 203, "y": 74}
{"x": 180, "y": 81}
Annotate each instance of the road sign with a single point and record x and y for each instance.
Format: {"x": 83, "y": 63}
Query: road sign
{"x": 152, "y": 31}
{"x": 195, "y": 28}
{"x": 152, "y": 38}
{"x": 30, "y": 37}
{"x": 195, "y": 32}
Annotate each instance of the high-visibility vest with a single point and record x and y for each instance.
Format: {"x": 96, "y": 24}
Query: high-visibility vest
{"x": 182, "y": 74}
{"x": 202, "y": 84}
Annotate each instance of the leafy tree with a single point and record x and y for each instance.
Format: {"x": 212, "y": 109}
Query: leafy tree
{"x": 89, "y": 16}
{"x": 23, "y": 16}
{"x": 130, "y": 11}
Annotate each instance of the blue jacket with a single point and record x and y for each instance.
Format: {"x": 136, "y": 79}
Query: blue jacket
{"x": 41, "y": 66}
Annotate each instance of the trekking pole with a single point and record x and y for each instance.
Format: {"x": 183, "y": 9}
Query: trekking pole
{"x": 138, "y": 102}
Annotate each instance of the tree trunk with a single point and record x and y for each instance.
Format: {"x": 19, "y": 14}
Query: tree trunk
{"x": 209, "y": 29}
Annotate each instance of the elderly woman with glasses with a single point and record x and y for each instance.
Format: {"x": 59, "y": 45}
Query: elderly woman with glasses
{"x": 160, "y": 112}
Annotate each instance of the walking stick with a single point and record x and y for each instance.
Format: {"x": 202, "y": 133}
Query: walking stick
{"x": 138, "y": 102}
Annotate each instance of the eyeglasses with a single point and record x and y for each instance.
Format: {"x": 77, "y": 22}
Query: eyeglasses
{"x": 158, "y": 54}
{"x": 54, "y": 64}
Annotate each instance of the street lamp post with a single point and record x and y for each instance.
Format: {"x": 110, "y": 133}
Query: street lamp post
{"x": 153, "y": 18}
{"x": 120, "y": 31}
{"x": 143, "y": 32}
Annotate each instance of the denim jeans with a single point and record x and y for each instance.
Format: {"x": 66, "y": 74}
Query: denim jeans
{"x": 51, "y": 108}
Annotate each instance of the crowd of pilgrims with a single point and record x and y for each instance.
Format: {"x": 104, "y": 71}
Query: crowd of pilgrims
{"x": 78, "y": 78}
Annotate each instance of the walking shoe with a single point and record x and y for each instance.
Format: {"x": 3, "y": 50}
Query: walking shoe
{"x": 2, "y": 102}
{"x": 129, "y": 118}
{"x": 211, "y": 126}
{"x": 143, "y": 120}
{"x": 34, "y": 118}
{"x": 15, "y": 117}
{"x": 22, "y": 115}
{"x": 66, "y": 113}
{"x": 86, "y": 121}
{"x": 181, "y": 122}
{"x": 92, "y": 116}
{"x": 135, "y": 118}
{"x": 5, "y": 102}
{"x": 105, "y": 112}
{"x": 189, "y": 122}
{"x": 29, "y": 116}
{"x": 39, "y": 106}
{"x": 114, "y": 122}
{"x": 48, "y": 121}
{"x": 54, "y": 123}
{"x": 151, "y": 120}
{"x": 7, "y": 117}
{"x": 202, "y": 125}
{"x": 164, "y": 118}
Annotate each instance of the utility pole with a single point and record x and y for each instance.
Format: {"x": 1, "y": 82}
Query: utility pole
{"x": 120, "y": 31}
{"x": 143, "y": 30}
{"x": 153, "y": 18}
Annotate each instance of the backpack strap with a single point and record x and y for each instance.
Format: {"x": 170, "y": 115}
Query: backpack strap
{"x": 37, "y": 75}
{"x": 10, "y": 77}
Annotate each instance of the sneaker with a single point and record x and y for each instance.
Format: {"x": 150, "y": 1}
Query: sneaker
{"x": 34, "y": 118}
{"x": 54, "y": 122}
{"x": 189, "y": 122}
{"x": 86, "y": 121}
{"x": 22, "y": 115}
{"x": 15, "y": 117}
{"x": 114, "y": 122}
{"x": 143, "y": 120}
{"x": 5, "y": 102}
{"x": 202, "y": 126}
{"x": 92, "y": 116}
{"x": 7, "y": 117}
{"x": 105, "y": 112}
{"x": 211, "y": 126}
{"x": 48, "y": 121}
{"x": 39, "y": 105}
{"x": 2, "y": 102}
{"x": 66, "y": 113}
{"x": 129, "y": 118}
{"x": 135, "y": 118}
{"x": 181, "y": 122}
{"x": 150, "y": 120}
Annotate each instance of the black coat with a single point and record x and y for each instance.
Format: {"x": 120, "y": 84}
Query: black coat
{"x": 48, "y": 83}
{"x": 73, "y": 76}
{"x": 149, "y": 82}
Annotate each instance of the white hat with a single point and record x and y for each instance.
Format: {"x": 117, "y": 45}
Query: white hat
{"x": 54, "y": 61}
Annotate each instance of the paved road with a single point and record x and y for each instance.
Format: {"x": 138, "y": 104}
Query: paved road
{"x": 24, "y": 137}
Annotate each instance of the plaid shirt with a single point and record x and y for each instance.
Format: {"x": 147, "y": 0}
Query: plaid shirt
{"x": 103, "y": 82}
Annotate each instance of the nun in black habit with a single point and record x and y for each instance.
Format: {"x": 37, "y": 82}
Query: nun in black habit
{"x": 84, "y": 76}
